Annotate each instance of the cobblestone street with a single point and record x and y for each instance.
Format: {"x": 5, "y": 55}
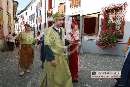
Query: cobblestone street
{"x": 97, "y": 62}
{"x": 88, "y": 62}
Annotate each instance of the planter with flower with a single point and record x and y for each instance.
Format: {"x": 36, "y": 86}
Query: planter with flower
{"x": 113, "y": 17}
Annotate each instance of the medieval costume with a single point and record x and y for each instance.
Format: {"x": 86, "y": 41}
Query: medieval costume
{"x": 56, "y": 71}
{"x": 26, "y": 51}
{"x": 73, "y": 51}
{"x": 42, "y": 49}
{"x": 10, "y": 41}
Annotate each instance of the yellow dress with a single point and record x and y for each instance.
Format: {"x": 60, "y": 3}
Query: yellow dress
{"x": 58, "y": 76}
{"x": 26, "y": 51}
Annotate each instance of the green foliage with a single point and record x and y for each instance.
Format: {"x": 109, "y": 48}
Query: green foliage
{"x": 107, "y": 39}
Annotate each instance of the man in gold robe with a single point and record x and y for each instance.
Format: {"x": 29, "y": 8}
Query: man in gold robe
{"x": 56, "y": 71}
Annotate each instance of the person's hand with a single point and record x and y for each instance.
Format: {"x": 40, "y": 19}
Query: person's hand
{"x": 36, "y": 45}
{"x": 125, "y": 50}
{"x": 53, "y": 63}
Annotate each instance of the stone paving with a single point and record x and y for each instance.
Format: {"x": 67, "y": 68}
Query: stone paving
{"x": 96, "y": 62}
{"x": 89, "y": 46}
{"x": 9, "y": 72}
{"x": 88, "y": 62}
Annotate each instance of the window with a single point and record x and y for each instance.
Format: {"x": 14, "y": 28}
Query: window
{"x": 61, "y": 8}
{"x": 33, "y": 17}
{"x": 41, "y": 3}
{"x": 33, "y": 20}
{"x": 40, "y": 27}
{"x": 7, "y": 5}
{"x": 40, "y": 13}
{"x": 36, "y": 12}
{"x": 29, "y": 18}
{"x": 36, "y": 21}
{"x": 75, "y": 3}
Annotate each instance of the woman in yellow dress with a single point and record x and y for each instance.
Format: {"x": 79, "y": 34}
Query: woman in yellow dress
{"x": 26, "y": 51}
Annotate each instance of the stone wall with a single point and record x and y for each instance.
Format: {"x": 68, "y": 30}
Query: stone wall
{"x": 6, "y": 20}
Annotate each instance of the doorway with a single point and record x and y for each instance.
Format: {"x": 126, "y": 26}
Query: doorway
{"x": 90, "y": 25}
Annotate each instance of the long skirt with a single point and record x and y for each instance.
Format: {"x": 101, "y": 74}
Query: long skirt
{"x": 26, "y": 56}
{"x": 58, "y": 76}
{"x": 73, "y": 61}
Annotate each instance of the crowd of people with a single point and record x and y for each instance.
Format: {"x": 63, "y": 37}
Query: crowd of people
{"x": 59, "y": 68}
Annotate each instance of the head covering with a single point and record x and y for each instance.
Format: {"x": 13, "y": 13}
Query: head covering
{"x": 28, "y": 27}
{"x": 57, "y": 15}
{"x": 74, "y": 23}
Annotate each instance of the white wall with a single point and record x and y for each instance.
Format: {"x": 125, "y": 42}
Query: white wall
{"x": 55, "y": 6}
{"x": 10, "y": 10}
{"x": 127, "y": 24}
{"x": 26, "y": 17}
{"x": 72, "y": 11}
{"x": 43, "y": 14}
{"x": 92, "y": 6}
{"x": 5, "y": 17}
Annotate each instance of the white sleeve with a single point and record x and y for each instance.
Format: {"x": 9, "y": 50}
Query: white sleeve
{"x": 77, "y": 35}
{"x": 68, "y": 37}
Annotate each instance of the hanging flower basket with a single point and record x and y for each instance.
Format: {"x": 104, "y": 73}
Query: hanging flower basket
{"x": 109, "y": 35}
{"x": 107, "y": 39}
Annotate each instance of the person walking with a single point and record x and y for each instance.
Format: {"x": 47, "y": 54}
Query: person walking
{"x": 17, "y": 43}
{"x": 40, "y": 45}
{"x": 56, "y": 70}
{"x": 9, "y": 41}
{"x": 12, "y": 41}
{"x": 38, "y": 36}
{"x": 26, "y": 52}
{"x": 42, "y": 50}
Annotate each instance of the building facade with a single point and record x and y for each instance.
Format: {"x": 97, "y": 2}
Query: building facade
{"x": 90, "y": 16}
{"x": 33, "y": 14}
{"x": 36, "y": 13}
{"x": 40, "y": 16}
{"x": 6, "y": 18}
